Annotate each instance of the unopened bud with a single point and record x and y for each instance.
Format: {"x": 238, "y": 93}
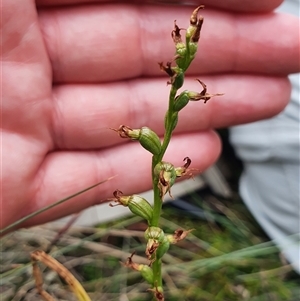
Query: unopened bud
{"x": 136, "y": 204}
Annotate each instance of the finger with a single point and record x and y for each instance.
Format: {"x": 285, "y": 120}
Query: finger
{"x": 64, "y": 173}
{"x": 84, "y": 113}
{"x": 17, "y": 37}
{"x": 25, "y": 64}
{"x": 234, "y": 5}
{"x": 109, "y": 42}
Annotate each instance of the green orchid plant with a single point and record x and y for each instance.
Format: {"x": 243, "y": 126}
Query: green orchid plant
{"x": 164, "y": 174}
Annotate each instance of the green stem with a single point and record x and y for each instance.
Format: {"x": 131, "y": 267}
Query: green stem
{"x": 157, "y": 205}
{"x": 170, "y": 127}
{"x": 156, "y": 266}
{"x": 158, "y": 158}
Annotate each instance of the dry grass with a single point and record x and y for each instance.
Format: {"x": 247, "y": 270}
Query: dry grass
{"x": 227, "y": 257}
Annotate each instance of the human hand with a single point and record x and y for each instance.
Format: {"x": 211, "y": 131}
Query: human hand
{"x": 72, "y": 72}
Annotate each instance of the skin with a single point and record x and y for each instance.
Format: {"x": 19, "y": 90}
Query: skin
{"x": 71, "y": 72}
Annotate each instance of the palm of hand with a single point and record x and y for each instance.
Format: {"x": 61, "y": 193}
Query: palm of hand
{"x": 27, "y": 112}
{"x": 53, "y": 139}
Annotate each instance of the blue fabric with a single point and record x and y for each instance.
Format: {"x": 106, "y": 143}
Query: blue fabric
{"x": 270, "y": 183}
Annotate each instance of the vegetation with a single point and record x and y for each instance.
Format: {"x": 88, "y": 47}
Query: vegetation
{"x": 221, "y": 257}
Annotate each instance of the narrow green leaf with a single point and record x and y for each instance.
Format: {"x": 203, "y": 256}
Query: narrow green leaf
{"x": 25, "y": 218}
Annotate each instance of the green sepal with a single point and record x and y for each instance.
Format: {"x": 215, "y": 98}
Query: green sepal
{"x": 167, "y": 170}
{"x": 181, "y": 55}
{"x": 149, "y": 140}
{"x": 178, "y": 79}
{"x": 193, "y": 47}
{"x": 146, "y": 272}
{"x": 140, "y": 207}
{"x": 181, "y": 101}
{"x": 155, "y": 233}
{"x": 136, "y": 204}
{"x": 163, "y": 248}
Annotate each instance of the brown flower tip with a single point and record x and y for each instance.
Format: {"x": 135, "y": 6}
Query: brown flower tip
{"x": 203, "y": 94}
{"x": 145, "y": 270}
{"x": 180, "y": 234}
{"x": 176, "y": 75}
{"x": 123, "y": 131}
{"x": 194, "y": 16}
{"x": 118, "y": 199}
{"x": 167, "y": 68}
{"x": 166, "y": 175}
{"x": 151, "y": 249}
{"x": 176, "y": 36}
{"x": 164, "y": 185}
{"x": 196, "y": 36}
{"x": 136, "y": 204}
{"x": 185, "y": 170}
{"x": 187, "y": 161}
{"x": 158, "y": 293}
{"x": 196, "y": 25}
{"x": 130, "y": 264}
